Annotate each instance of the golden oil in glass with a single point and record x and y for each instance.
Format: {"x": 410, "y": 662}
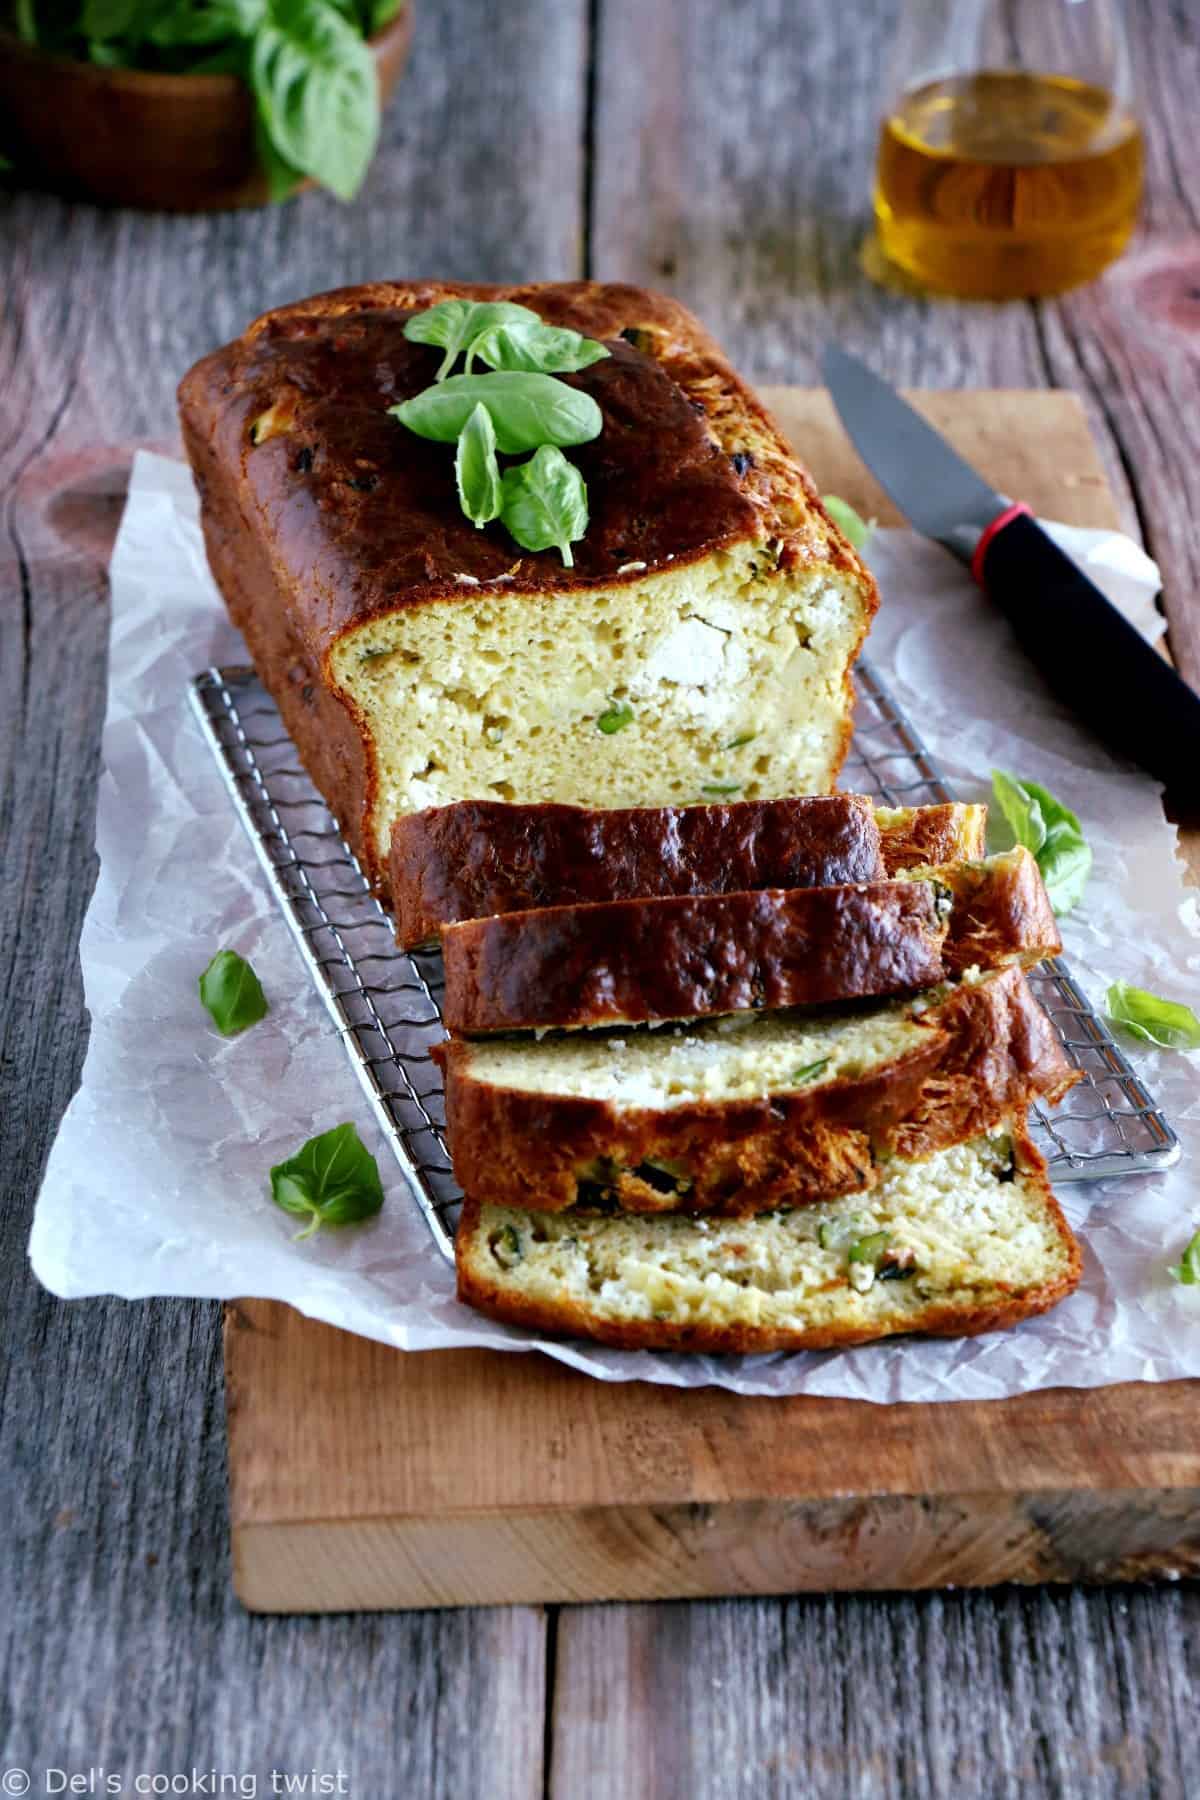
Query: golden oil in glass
{"x": 1001, "y": 185}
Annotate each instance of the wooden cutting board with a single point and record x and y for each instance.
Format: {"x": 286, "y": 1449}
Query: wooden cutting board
{"x": 364, "y": 1478}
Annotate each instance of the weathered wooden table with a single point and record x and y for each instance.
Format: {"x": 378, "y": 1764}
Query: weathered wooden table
{"x": 721, "y": 151}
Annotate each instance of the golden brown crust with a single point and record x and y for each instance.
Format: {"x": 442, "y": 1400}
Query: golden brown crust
{"x": 568, "y": 1318}
{"x": 481, "y": 857}
{"x": 933, "y": 834}
{"x": 988, "y": 1052}
{"x": 344, "y": 516}
{"x": 688, "y": 956}
{"x": 1001, "y": 912}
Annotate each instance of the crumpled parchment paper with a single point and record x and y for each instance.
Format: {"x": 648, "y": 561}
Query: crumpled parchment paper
{"x": 157, "y": 1183}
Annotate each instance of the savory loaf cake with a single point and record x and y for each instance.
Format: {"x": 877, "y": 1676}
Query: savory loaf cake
{"x": 969, "y": 1241}
{"x": 480, "y": 857}
{"x": 685, "y": 956}
{"x": 743, "y": 1114}
{"x": 702, "y": 640}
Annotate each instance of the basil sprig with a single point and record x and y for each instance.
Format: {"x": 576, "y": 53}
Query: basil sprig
{"x": 537, "y": 349}
{"x": 544, "y": 502}
{"x": 1167, "y": 1023}
{"x": 518, "y": 406}
{"x": 232, "y": 993}
{"x": 503, "y": 335}
{"x": 1051, "y": 831}
{"x": 527, "y": 410}
{"x": 331, "y": 1180}
{"x": 456, "y": 325}
{"x": 476, "y": 469}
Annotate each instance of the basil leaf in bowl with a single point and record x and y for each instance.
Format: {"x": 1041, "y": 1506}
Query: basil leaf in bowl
{"x": 331, "y": 1180}
{"x": 316, "y": 92}
{"x": 528, "y": 410}
{"x": 544, "y": 502}
{"x": 1167, "y": 1023}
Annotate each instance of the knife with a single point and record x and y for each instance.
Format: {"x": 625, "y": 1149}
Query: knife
{"x": 1089, "y": 653}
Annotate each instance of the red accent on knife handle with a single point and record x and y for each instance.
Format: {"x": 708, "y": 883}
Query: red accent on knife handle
{"x": 1017, "y": 510}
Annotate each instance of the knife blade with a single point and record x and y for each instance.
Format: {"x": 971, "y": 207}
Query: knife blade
{"x": 1090, "y": 655}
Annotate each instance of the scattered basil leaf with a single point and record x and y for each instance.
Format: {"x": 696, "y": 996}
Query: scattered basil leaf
{"x": 536, "y": 347}
{"x": 456, "y": 325}
{"x": 869, "y": 1249}
{"x": 618, "y": 716}
{"x": 850, "y": 523}
{"x": 721, "y": 787}
{"x": 528, "y": 411}
{"x": 232, "y": 993}
{"x": 544, "y": 500}
{"x": 476, "y": 470}
{"x": 316, "y": 92}
{"x": 811, "y": 1070}
{"x": 1187, "y": 1269}
{"x": 1051, "y": 831}
{"x": 1167, "y": 1023}
{"x": 332, "y": 1180}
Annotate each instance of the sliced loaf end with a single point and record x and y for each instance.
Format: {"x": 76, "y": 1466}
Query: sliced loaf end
{"x": 969, "y": 1241}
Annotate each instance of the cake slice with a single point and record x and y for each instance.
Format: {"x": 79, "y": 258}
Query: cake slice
{"x": 688, "y": 956}
{"x": 481, "y": 857}
{"x": 478, "y": 857}
{"x": 628, "y": 961}
{"x": 702, "y": 642}
{"x": 742, "y": 1114}
{"x": 968, "y": 1241}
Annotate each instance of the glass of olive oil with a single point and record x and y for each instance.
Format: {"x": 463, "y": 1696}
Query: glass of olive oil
{"x": 1010, "y": 162}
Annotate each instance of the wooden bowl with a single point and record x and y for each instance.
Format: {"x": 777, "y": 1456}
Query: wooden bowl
{"x": 125, "y": 137}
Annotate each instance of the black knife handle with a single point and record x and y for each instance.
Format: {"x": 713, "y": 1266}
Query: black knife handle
{"x": 1092, "y": 657}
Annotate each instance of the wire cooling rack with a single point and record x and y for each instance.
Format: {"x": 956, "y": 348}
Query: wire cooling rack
{"x": 385, "y": 1001}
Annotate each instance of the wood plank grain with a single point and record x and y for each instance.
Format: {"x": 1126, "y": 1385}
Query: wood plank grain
{"x": 1080, "y": 1695}
{"x": 121, "y": 1641}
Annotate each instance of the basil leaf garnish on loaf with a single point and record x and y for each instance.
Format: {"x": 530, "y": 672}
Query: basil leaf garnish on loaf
{"x": 332, "y": 1180}
{"x": 232, "y": 993}
{"x": 316, "y": 92}
{"x": 456, "y": 326}
{"x": 1187, "y": 1269}
{"x": 538, "y": 348}
{"x": 544, "y": 500}
{"x": 1051, "y": 831}
{"x": 1167, "y": 1023}
{"x": 528, "y": 411}
{"x": 476, "y": 469}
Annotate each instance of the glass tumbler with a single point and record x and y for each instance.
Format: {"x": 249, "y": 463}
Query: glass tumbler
{"x": 1010, "y": 161}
